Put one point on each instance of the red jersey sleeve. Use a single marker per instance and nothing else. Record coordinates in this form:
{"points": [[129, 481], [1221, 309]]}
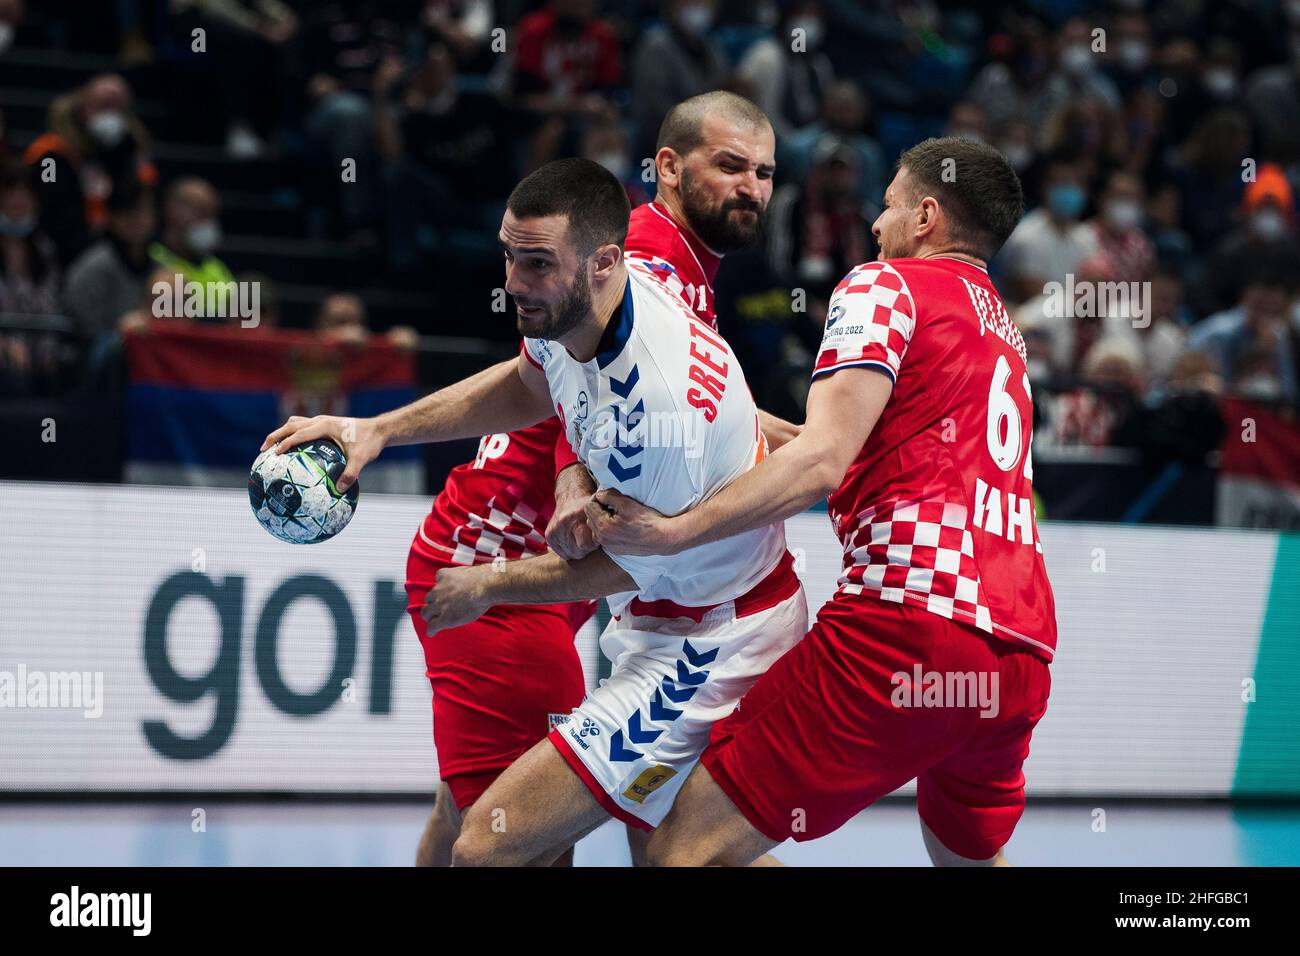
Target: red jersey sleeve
{"points": [[870, 321]]}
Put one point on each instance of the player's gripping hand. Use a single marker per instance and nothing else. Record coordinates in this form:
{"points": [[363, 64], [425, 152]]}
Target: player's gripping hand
{"points": [[623, 525], [359, 438], [569, 534], [456, 598]]}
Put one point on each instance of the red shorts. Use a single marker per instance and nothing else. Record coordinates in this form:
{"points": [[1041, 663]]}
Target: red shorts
{"points": [[496, 681], [842, 720]]}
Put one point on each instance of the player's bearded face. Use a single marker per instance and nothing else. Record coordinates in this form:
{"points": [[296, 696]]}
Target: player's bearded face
{"points": [[735, 223], [557, 319]]}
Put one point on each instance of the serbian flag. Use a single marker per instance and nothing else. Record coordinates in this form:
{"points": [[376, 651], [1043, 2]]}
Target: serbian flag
{"points": [[200, 399], [1259, 473]]}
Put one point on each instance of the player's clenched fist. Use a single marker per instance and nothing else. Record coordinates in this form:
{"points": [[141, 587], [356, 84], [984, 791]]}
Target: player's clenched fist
{"points": [[623, 525], [360, 439], [455, 598], [568, 534]]}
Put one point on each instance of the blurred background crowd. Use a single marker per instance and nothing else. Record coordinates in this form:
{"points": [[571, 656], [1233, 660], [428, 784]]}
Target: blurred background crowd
{"points": [[352, 157]]}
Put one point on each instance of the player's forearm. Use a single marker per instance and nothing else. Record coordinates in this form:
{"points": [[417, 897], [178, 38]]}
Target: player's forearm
{"points": [[492, 401], [549, 579], [776, 430], [785, 483]]}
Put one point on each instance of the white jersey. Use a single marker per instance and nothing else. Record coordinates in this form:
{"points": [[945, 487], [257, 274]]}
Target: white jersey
{"points": [[665, 416]]}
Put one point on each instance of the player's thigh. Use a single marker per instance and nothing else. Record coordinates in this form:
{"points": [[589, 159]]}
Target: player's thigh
{"points": [[705, 828], [972, 800], [823, 734], [535, 810]]}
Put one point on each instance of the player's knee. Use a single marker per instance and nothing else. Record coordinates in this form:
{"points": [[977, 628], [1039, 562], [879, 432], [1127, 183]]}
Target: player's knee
{"points": [[473, 848], [666, 849], [477, 845]]}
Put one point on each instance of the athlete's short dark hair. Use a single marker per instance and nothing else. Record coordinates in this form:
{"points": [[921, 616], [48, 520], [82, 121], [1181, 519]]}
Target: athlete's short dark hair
{"points": [[683, 127], [585, 193], [979, 191]]}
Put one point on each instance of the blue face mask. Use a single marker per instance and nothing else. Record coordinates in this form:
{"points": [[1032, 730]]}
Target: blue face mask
{"points": [[1066, 200]]}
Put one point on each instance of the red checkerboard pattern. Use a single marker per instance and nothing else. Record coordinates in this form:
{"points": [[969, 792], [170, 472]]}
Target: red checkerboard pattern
{"points": [[919, 553], [871, 320]]}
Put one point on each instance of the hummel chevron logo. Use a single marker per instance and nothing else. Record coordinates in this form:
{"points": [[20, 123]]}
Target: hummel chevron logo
{"points": [[660, 711], [619, 753], [624, 388], [621, 473], [686, 677], [697, 659], [636, 734], [675, 695]]}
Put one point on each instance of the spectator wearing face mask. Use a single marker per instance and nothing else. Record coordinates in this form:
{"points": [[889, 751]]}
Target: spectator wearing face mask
{"points": [[191, 232], [1078, 71], [606, 144], [95, 144], [1254, 342], [104, 281], [1050, 242], [1128, 58], [787, 72], [1123, 253], [674, 61], [29, 286], [29, 269], [1267, 231]]}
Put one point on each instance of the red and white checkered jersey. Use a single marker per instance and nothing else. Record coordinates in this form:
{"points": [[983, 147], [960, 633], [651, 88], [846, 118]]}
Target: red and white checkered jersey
{"points": [[502, 501], [937, 510], [658, 247], [499, 503]]}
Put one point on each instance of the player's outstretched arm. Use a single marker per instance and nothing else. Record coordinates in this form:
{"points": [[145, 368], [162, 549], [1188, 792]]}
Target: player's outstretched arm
{"points": [[461, 595], [508, 396], [843, 408]]}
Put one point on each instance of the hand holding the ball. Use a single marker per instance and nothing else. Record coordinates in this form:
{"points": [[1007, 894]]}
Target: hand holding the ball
{"points": [[456, 598], [359, 438]]}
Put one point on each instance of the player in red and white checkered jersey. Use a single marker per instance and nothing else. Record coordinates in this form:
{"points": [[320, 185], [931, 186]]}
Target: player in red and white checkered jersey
{"points": [[931, 660]]}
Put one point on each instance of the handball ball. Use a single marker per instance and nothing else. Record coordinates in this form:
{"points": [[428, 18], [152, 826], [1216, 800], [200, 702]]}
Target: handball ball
{"points": [[293, 495]]}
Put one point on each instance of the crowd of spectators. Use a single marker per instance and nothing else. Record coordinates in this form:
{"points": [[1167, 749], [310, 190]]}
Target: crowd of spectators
{"points": [[1158, 144]]}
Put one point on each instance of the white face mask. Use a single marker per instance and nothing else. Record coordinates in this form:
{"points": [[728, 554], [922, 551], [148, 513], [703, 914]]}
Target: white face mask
{"points": [[1134, 54], [107, 127], [615, 161], [204, 236], [1268, 223], [1221, 82], [1123, 214], [695, 19], [1076, 59]]}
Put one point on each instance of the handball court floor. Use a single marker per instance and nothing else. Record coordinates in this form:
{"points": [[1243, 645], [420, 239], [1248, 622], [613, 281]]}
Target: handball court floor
{"points": [[296, 832]]}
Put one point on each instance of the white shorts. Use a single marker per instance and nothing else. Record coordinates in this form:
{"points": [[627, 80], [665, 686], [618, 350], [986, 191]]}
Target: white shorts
{"points": [[636, 736]]}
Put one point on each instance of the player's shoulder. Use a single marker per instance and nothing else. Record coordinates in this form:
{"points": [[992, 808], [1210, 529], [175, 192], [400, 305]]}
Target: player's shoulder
{"points": [[650, 232], [913, 279]]}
